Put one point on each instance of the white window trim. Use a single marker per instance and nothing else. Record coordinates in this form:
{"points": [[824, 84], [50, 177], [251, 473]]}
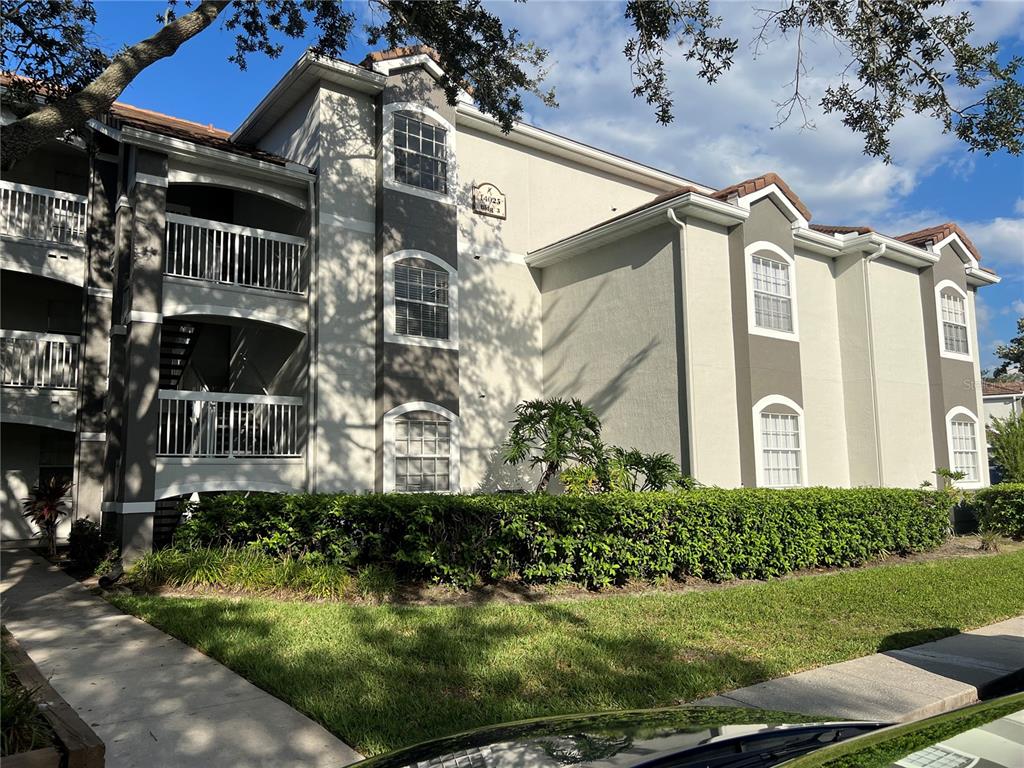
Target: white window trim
{"points": [[978, 436], [949, 284], [389, 441], [759, 406], [388, 150], [762, 246], [390, 323]]}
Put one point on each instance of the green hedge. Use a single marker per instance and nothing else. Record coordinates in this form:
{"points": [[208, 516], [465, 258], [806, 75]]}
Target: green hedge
{"points": [[1000, 508], [597, 541]]}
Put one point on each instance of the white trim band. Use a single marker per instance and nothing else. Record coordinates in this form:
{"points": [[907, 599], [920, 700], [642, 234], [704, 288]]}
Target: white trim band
{"points": [[145, 317]]}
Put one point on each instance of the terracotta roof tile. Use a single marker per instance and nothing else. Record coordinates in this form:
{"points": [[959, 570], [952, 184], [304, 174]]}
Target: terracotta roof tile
{"points": [[1002, 387], [832, 229], [148, 120], [760, 182], [923, 237]]}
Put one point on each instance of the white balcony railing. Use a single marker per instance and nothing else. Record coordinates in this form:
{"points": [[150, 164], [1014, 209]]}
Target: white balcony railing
{"points": [[229, 425], [45, 360], [36, 213], [226, 253]]}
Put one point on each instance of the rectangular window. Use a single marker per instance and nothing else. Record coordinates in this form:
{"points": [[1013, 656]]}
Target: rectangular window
{"points": [[954, 324], [780, 445], [773, 307], [421, 302], [965, 449], [422, 454], [420, 157]]}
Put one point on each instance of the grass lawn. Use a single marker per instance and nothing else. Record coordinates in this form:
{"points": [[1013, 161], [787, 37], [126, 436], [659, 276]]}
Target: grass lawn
{"points": [[382, 677]]}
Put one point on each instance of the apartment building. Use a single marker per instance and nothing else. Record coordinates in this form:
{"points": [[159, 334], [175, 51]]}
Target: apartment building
{"points": [[353, 290]]}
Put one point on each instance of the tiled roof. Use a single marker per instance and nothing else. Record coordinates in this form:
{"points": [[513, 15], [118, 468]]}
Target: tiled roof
{"points": [[923, 237], [1002, 387], [146, 119], [758, 183], [832, 229]]}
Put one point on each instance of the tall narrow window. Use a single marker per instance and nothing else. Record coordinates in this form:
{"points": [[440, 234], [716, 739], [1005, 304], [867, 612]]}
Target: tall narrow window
{"points": [[423, 449], [965, 447], [773, 306], [421, 301], [420, 154], [781, 449], [954, 323]]}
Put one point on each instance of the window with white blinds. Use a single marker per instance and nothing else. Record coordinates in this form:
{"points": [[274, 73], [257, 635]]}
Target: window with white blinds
{"points": [[423, 449], [781, 449], [954, 323], [773, 304], [421, 302], [963, 433]]}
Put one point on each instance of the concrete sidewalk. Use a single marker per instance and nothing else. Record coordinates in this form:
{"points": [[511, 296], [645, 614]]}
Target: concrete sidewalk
{"points": [[902, 685], [154, 701]]}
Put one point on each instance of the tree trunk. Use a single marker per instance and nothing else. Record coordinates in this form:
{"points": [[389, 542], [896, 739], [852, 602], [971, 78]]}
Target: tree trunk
{"points": [[549, 472], [74, 111]]}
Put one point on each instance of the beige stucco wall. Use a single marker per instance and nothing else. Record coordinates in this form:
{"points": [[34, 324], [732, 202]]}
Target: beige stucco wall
{"points": [[547, 197], [499, 364], [343, 457], [710, 359], [901, 371], [822, 372], [610, 337]]}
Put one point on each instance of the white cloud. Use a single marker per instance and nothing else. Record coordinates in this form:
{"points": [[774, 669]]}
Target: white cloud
{"points": [[1017, 306], [1018, 207], [1001, 242], [722, 132]]}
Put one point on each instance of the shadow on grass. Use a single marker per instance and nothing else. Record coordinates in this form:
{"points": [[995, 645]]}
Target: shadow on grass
{"points": [[900, 640], [393, 676]]}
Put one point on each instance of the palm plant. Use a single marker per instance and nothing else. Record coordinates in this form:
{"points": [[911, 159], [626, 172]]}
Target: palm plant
{"points": [[45, 506], [1006, 441], [551, 433]]}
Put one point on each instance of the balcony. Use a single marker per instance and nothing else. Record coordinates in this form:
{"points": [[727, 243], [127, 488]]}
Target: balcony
{"points": [[43, 231], [218, 269], [220, 441], [39, 375]]}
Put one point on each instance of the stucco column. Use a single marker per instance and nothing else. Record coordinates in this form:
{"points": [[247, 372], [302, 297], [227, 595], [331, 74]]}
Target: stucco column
{"points": [[91, 433], [143, 290]]}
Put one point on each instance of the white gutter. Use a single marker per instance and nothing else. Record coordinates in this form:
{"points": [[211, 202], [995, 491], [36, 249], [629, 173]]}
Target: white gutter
{"points": [[688, 204], [552, 143]]}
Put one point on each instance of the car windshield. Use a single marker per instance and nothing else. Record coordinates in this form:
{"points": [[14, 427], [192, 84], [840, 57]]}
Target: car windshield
{"points": [[986, 735]]}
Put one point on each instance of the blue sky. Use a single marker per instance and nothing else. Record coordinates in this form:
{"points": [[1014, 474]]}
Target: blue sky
{"points": [[721, 134]]}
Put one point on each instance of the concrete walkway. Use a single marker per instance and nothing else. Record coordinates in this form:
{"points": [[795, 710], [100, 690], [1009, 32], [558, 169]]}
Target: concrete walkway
{"points": [[898, 685], [155, 702]]}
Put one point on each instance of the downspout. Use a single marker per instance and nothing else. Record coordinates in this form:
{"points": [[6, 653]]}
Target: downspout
{"points": [[688, 383], [313, 340], [879, 464]]}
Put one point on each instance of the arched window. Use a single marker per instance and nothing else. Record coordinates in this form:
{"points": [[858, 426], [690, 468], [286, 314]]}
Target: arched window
{"points": [[771, 291], [421, 449], [781, 446], [954, 328], [420, 300], [964, 441], [418, 151]]}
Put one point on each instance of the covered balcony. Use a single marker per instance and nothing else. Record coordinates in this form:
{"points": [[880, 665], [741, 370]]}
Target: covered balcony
{"points": [[44, 215], [218, 263], [40, 326], [231, 408]]}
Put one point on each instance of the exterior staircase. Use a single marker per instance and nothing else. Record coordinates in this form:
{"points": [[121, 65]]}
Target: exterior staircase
{"points": [[177, 341]]}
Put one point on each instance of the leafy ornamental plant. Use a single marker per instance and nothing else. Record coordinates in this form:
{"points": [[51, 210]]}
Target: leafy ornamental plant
{"points": [[1006, 447], [626, 469], [551, 434], [45, 506]]}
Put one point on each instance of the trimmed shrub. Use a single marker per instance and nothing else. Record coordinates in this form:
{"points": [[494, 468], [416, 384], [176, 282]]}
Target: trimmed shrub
{"points": [[1000, 508], [86, 545], [597, 540]]}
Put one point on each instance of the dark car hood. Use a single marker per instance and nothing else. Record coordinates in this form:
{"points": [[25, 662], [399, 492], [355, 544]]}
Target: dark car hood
{"points": [[608, 740]]}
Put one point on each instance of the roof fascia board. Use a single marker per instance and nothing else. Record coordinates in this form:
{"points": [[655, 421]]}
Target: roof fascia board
{"points": [[405, 62], [689, 204], [961, 249], [301, 76], [895, 250], [818, 242], [192, 151], [554, 144], [978, 277], [773, 191]]}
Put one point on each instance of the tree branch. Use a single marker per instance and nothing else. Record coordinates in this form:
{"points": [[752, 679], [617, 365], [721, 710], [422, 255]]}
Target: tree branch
{"points": [[74, 111]]}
